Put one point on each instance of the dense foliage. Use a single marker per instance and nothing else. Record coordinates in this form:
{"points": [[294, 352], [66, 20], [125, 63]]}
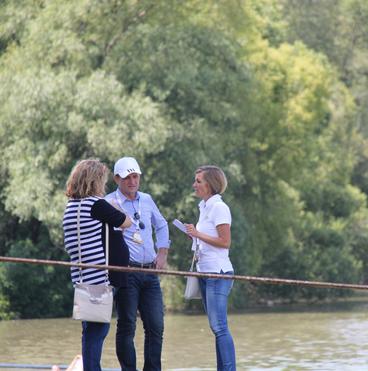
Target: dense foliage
{"points": [[275, 92]]}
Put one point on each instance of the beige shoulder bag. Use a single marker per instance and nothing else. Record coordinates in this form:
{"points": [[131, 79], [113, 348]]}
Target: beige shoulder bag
{"points": [[92, 303]]}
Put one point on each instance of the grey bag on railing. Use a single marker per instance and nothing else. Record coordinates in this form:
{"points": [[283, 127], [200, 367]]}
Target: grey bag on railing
{"points": [[93, 303], [192, 289]]}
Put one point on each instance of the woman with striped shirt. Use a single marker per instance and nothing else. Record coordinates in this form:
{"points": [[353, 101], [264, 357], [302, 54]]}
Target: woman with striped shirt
{"points": [[85, 189]]}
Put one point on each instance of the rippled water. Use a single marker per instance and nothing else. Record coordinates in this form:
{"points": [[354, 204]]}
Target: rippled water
{"points": [[310, 338]]}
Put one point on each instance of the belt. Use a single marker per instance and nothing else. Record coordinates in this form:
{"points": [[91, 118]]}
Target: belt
{"points": [[141, 265]]}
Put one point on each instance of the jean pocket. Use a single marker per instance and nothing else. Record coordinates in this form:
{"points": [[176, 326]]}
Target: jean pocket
{"points": [[228, 273]]}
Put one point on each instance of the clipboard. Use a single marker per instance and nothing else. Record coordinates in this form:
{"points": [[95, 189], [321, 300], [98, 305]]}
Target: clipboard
{"points": [[178, 224]]}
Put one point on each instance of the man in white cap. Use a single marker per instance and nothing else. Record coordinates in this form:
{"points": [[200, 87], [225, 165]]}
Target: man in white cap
{"points": [[143, 292]]}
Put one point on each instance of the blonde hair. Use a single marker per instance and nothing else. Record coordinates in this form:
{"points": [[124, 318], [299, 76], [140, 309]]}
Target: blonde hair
{"points": [[215, 178], [88, 178]]}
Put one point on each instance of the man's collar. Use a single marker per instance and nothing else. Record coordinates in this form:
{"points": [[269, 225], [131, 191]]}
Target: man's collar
{"points": [[124, 198]]}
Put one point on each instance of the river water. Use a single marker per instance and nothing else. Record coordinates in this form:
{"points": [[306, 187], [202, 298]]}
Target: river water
{"points": [[325, 337]]}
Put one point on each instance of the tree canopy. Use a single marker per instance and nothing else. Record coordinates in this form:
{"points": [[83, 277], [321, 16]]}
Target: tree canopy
{"points": [[272, 91]]}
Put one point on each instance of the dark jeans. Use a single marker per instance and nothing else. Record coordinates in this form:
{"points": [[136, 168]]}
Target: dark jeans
{"points": [[144, 294], [93, 336]]}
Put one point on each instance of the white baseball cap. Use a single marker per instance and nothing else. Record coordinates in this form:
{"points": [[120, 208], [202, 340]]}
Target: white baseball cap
{"points": [[126, 166]]}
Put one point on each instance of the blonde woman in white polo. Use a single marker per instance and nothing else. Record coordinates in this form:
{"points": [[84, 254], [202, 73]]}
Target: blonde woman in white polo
{"points": [[213, 236]]}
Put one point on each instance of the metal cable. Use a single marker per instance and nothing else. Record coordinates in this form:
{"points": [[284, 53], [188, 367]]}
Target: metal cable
{"points": [[253, 279]]}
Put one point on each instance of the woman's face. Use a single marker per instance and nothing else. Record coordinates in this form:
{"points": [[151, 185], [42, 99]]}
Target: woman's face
{"points": [[201, 187]]}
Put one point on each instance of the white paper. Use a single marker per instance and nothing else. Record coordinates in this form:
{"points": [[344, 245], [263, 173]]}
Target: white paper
{"points": [[178, 224]]}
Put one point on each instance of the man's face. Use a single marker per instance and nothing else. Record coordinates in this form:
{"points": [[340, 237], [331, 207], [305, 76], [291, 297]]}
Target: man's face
{"points": [[129, 185]]}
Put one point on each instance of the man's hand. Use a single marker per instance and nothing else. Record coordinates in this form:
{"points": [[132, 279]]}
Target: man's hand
{"points": [[161, 258]]}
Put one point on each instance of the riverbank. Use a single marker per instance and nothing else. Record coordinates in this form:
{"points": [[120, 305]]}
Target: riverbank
{"points": [[329, 304]]}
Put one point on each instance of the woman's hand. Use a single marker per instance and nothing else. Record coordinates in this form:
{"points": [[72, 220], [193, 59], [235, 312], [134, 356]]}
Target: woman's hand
{"points": [[224, 235], [191, 230], [127, 222]]}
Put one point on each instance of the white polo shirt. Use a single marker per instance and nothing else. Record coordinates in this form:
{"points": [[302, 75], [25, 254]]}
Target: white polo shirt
{"points": [[212, 213]]}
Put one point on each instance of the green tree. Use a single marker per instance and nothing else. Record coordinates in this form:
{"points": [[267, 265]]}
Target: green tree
{"points": [[178, 85]]}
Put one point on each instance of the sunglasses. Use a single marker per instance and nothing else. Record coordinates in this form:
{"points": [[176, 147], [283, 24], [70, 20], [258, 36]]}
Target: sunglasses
{"points": [[137, 217]]}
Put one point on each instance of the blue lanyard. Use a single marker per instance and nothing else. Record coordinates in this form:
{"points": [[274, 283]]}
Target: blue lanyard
{"points": [[120, 202]]}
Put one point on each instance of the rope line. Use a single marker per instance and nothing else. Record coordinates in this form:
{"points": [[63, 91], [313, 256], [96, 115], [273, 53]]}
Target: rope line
{"points": [[253, 279]]}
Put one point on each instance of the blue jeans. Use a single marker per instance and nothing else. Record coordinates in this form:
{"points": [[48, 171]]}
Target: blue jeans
{"points": [[143, 293], [215, 292], [93, 336]]}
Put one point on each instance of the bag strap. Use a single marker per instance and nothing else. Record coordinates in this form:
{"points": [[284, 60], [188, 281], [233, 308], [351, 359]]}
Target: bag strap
{"points": [[194, 255], [107, 250], [79, 246]]}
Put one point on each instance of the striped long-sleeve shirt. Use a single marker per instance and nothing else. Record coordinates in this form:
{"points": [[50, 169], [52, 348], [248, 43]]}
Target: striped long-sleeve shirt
{"points": [[94, 213]]}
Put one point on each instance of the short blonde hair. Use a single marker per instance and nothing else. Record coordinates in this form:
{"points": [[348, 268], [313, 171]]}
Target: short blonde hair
{"points": [[88, 178], [215, 178]]}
